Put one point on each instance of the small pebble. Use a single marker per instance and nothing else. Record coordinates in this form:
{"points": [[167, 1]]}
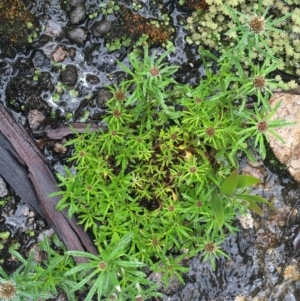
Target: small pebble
{"points": [[59, 148], [101, 28], [246, 221], [76, 2], [103, 96], [78, 14], [35, 119], [291, 272], [59, 54], [69, 75], [78, 35], [3, 189]]}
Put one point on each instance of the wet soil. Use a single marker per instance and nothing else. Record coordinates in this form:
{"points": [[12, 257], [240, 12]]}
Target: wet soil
{"points": [[260, 265]]}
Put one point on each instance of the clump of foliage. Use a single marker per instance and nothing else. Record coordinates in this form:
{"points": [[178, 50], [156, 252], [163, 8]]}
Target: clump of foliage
{"points": [[160, 184], [35, 280], [157, 172], [214, 28], [130, 27], [38, 281], [17, 23]]}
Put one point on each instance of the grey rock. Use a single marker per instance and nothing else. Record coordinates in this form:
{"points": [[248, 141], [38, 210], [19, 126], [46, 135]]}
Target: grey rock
{"points": [[39, 59], [3, 189], [78, 35], [49, 48], [76, 2], [72, 52], [69, 75], [92, 79], [53, 28], [103, 96], [101, 28], [78, 14]]}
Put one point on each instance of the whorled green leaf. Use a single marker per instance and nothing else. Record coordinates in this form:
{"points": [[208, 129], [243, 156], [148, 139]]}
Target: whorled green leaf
{"points": [[230, 183], [245, 181], [217, 209]]}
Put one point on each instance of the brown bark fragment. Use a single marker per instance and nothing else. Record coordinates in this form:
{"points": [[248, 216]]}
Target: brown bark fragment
{"points": [[23, 167]]}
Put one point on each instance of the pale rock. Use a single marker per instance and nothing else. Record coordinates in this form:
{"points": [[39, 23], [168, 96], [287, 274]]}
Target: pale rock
{"points": [[35, 118], [59, 54], [246, 221], [3, 189], [288, 153]]}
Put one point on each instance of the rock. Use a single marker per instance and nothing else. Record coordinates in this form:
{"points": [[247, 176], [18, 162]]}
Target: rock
{"points": [[3, 189], [35, 118], [59, 54], [59, 148], [101, 28], [246, 221], [52, 28], [240, 298], [49, 48], [78, 35], [92, 79], [72, 52], [291, 272], [38, 254], [69, 75], [287, 153], [103, 96], [78, 14], [265, 240], [39, 59], [76, 2]]}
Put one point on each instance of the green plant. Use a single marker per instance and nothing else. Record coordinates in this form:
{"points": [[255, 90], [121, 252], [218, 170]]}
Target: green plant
{"points": [[38, 281], [254, 28], [162, 178], [225, 24], [260, 124], [113, 274], [156, 172], [234, 189]]}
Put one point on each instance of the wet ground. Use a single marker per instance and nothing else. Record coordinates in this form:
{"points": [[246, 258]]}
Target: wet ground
{"points": [[260, 265]]}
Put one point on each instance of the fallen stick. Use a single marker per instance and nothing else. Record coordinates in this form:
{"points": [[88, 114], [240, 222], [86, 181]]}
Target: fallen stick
{"points": [[65, 130], [22, 165]]}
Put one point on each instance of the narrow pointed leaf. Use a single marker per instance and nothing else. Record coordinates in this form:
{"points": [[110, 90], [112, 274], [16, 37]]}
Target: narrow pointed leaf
{"points": [[230, 183], [97, 286], [254, 207], [244, 181], [120, 247], [217, 209], [253, 198]]}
